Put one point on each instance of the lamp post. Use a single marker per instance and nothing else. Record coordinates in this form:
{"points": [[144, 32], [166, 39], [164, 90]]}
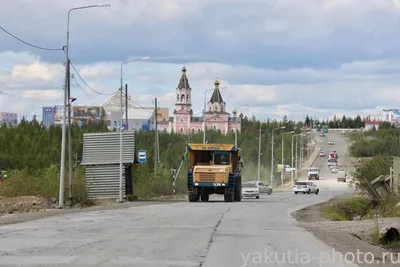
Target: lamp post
{"points": [[259, 154], [293, 156], [120, 130], [62, 165], [272, 154], [204, 110], [283, 156], [236, 127]]}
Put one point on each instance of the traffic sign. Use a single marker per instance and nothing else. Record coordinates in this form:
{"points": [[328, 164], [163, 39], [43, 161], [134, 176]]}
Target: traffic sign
{"points": [[142, 156]]}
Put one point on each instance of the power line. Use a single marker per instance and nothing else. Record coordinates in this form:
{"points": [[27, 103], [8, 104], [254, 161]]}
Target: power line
{"points": [[35, 46], [77, 73], [146, 109], [8, 87], [80, 87]]}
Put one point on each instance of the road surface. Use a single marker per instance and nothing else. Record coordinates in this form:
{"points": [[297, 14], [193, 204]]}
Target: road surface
{"points": [[254, 232]]}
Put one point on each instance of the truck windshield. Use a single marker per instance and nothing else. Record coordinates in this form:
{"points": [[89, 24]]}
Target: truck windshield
{"points": [[221, 159]]}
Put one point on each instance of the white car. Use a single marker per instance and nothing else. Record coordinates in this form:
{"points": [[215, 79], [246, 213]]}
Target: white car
{"points": [[335, 169], [332, 162], [250, 190], [305, 187], [263, 188], [330, 143]]}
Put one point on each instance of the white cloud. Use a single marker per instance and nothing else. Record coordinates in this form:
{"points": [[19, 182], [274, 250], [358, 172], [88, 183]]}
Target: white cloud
{"points": [[39, 71], [311, 56], [96, 71]]}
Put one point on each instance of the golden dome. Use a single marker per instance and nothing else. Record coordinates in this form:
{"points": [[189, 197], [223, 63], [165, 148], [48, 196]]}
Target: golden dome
{"points": [[216, 81], [184, 68]]}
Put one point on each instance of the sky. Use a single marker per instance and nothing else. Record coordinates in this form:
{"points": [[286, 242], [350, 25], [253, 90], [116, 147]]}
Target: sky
{"points": [[286, 57]]}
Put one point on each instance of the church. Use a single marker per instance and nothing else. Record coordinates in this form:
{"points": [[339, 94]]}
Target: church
{"points": [[215, 118]]}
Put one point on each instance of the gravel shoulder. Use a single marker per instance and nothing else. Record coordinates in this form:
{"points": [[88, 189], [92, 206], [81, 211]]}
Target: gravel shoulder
{"points": [[348, 237], [43, 212]]}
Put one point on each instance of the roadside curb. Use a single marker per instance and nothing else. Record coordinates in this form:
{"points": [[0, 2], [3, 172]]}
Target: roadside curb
{"points": [[316, 157]]}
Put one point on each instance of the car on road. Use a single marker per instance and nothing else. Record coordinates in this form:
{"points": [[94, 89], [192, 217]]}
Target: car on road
{"points": [[263, 188], [250, 190], [313, 173], [305, 187], [341, 176], [330, 143], [332, 162], [335, 169], [322, 154], [322, 135]]}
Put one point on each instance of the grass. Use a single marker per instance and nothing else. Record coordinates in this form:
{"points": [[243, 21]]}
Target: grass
{"points": [[45, 183], [348, 209]]}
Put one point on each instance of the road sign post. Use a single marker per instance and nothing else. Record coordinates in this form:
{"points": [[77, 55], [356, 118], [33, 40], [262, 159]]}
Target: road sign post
{"points": [[142, 156], [173, 171]]}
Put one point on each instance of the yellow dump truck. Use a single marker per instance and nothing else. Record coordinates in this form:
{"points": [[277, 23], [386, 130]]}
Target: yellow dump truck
{"points": [[214, 169]]}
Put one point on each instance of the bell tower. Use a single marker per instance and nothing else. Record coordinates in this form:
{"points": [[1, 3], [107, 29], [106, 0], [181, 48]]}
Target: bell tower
{"points": [[183, 94]]}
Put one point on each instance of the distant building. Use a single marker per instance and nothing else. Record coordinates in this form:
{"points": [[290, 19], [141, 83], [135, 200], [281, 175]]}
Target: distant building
{"points": [[83, 114], [138, 119], [183, 121], [58, 114], [10, 119], [139, 115], [369, 125], [392, 116], [48, 116]]}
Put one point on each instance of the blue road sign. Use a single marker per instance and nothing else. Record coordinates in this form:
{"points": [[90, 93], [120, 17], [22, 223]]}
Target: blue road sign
{"points": [[115, 124], [142, 156]]}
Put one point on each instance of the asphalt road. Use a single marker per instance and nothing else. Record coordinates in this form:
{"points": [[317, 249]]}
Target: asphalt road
{"points": [[254, 232]]}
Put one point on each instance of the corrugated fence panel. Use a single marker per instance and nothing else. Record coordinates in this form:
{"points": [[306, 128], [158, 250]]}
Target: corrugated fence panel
{"points": [[102, 181], [104, 148]]}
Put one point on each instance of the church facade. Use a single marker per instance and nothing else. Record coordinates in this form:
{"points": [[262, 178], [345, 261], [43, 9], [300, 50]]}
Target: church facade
{"points": [[215, 118]]}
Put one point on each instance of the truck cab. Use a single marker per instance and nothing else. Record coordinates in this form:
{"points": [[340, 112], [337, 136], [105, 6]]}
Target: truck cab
{"points": [[214, 169], [313, 173]]}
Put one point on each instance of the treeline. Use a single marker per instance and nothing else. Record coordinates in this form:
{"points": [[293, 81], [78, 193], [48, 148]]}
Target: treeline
{"points": [[29, 150], [373, 152], [344, 122]]}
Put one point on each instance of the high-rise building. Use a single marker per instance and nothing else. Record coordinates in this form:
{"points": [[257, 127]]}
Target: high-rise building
{"points": [[48, 117], [10, 119]]}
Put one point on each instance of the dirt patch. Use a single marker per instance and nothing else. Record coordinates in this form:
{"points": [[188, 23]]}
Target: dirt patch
{"points": [[10, 205], [314, 213], [348, 237]]}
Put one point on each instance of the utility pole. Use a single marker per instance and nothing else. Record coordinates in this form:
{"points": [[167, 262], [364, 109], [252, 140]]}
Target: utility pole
{"points": [[156, 158], [126, 107], [297, 160], [291, 173], [259, 155], [69, 134]]}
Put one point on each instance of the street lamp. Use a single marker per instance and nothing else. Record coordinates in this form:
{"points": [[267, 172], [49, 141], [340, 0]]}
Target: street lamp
{"points": [[120, 129], [272, 154], [204, 110], [236, 127], [283, 146], [293, 156], [66, 93]]}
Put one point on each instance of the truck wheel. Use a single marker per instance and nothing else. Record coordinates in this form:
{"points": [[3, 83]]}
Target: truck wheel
{"points": [[193, 198], [257, 197], [205, 196], [228, 197], [238, 189]]}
